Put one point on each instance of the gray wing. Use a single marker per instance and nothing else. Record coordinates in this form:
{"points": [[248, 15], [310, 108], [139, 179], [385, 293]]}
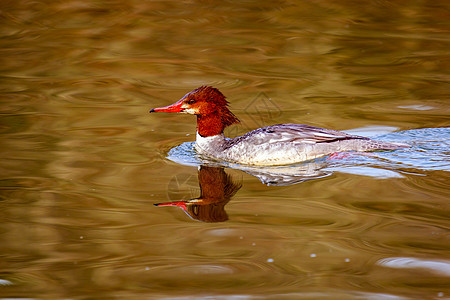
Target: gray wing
{"points": [[293, 133]]}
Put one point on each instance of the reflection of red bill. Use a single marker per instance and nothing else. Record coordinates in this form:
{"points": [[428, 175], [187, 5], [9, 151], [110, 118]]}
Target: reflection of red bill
{"points": [[180, 204]]}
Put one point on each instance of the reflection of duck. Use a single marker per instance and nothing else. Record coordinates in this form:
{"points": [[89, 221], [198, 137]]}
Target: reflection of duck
{"points": [[288, 175], [216, 189], [273, 145]]}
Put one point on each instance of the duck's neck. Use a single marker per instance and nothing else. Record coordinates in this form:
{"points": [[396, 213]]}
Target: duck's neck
{"points": [[210, 145], [214, 123], [210, 125]]}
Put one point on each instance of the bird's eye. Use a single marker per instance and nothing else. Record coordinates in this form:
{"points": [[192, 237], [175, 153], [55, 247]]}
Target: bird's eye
{"points": [[191, 101]]}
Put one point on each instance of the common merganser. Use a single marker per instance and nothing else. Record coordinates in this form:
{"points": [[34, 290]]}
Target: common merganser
{"points": [[280, 144]]}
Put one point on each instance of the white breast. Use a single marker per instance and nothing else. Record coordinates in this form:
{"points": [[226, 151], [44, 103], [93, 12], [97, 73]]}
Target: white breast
{"points": [[209, 145]]}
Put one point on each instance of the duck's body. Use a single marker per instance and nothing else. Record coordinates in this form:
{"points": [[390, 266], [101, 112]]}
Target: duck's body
{"points": [[284, 144], [268, 146]]}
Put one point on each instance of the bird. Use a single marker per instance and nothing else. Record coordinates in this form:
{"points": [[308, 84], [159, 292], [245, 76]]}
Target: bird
{"points": [[274, 145]]}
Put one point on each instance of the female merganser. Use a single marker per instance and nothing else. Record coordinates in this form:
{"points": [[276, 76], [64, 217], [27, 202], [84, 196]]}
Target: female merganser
{"points": [[268, 146]]}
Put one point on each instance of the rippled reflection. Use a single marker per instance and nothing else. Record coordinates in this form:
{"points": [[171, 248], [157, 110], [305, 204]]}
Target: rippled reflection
{"points": [[440, 267], [216, 190]]}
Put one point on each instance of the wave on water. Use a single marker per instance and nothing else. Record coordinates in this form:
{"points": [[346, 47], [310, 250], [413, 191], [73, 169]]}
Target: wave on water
{"points": [[429, 151]]}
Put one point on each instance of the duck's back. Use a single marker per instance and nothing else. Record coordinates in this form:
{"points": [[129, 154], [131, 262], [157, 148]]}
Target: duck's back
{"points": [[290, 143]]}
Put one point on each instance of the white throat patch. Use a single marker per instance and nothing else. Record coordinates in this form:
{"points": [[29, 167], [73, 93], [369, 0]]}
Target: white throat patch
{"points": [[209, 143]]}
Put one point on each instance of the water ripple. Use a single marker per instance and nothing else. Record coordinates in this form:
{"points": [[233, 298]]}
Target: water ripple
{"points": [[439, 267]]}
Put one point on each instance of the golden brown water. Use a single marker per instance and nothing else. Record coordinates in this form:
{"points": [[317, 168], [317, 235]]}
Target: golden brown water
{"points": [[83, 162]]}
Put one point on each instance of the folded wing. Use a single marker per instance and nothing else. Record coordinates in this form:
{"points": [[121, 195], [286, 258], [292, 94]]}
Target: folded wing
{"points": [[293, 133]]}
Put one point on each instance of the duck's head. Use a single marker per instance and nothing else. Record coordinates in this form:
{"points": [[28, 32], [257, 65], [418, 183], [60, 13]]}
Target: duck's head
{"points": [[210, 106]]}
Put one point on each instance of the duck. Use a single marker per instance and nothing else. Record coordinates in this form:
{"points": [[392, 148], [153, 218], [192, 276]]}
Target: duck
{"points": [[274, 145]]}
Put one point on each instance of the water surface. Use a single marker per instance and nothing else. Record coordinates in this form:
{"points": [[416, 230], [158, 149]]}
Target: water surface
{"points": [[83, 163]]}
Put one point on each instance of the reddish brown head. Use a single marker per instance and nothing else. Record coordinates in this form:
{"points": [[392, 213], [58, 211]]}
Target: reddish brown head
{"points": [[210, 106]]}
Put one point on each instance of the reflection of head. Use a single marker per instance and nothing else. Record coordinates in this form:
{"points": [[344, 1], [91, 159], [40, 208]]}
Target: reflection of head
{"points": [[216, 189], [214, 212], [216, 184]]}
